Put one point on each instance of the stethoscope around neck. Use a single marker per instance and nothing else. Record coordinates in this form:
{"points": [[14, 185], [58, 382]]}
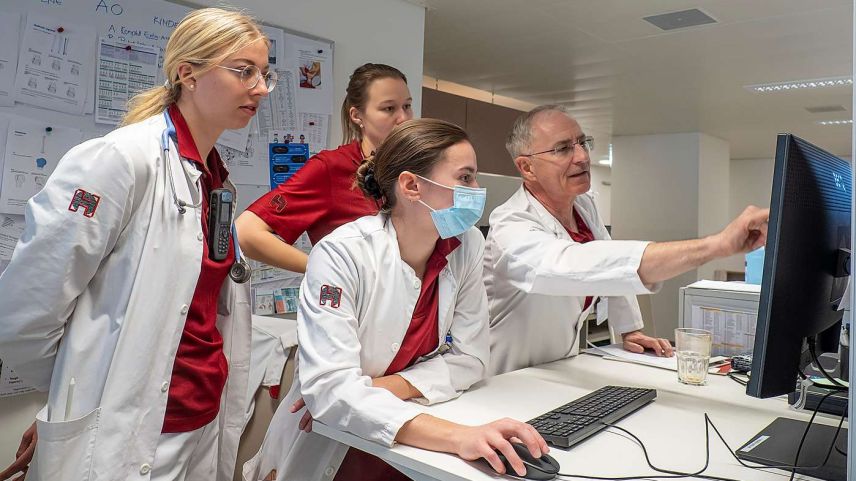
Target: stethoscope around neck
{"points": [[240, 271]]}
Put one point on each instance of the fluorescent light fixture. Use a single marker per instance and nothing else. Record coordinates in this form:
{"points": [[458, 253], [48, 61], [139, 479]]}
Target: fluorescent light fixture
{"points": [[835, 122], [801, 84], [607, 161]]}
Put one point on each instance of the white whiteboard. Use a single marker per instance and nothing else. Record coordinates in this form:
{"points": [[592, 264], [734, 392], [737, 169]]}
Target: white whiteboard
{"points": [[150, 22]]}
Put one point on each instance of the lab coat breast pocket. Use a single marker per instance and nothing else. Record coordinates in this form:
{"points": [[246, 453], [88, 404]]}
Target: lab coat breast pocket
{"points": [[64, 449]]}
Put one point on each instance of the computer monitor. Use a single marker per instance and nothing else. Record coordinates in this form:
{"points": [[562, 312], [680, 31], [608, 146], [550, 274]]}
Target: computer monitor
{"points": [[805, 263]]}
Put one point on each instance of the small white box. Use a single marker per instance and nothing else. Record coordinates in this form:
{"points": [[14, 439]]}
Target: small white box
{"points": [[728, 309]]}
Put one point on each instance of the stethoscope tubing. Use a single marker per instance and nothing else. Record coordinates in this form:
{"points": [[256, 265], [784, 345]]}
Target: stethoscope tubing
{"points": [[239, 275]]}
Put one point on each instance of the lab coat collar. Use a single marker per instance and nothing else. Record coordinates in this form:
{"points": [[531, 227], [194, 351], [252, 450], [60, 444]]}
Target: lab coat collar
{"points": [[445, 246], [582, 204]]}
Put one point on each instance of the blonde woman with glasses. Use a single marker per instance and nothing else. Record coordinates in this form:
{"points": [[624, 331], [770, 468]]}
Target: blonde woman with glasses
{"points": [[143, 341]]}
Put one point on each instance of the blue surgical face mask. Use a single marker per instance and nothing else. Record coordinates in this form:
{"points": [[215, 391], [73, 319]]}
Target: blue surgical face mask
{"points": [[465, 211]]}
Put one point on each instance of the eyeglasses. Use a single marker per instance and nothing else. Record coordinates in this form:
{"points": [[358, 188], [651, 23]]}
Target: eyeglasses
{"points": [[251, 74], [567, 148]]}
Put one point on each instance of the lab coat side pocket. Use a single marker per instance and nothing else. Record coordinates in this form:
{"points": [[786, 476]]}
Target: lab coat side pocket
{"points": [[65, 448]]}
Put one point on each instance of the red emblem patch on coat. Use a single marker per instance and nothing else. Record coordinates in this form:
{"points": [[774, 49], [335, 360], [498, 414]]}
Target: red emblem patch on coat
{"points": [[332, 294], [88, 201], [278, 203]]}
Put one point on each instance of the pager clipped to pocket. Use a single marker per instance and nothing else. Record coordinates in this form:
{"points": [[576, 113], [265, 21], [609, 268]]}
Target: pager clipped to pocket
{"points": [[219, 223]]}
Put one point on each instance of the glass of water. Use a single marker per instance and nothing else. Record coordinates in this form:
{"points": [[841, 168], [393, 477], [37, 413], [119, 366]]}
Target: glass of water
{"points": [[692, 348]]}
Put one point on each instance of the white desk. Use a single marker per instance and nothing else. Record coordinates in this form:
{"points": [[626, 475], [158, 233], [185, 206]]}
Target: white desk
{"points": [[672, 427]]}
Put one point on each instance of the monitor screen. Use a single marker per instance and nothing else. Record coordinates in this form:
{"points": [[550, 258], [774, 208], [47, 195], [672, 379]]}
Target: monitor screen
{"points": [[805, 262]]}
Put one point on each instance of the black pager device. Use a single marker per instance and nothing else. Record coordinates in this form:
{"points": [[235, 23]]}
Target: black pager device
{"points": [[219, 223]]}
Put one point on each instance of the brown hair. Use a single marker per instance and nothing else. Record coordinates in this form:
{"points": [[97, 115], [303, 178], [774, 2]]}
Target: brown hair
{"points": [[414, 146], [203, 38], [357, 94]]}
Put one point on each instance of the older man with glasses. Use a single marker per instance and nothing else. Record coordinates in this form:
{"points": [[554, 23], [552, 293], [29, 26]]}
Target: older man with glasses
{"points": [[549, 257]]}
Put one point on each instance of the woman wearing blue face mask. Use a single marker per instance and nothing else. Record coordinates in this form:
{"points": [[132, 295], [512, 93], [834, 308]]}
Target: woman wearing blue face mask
{"points": [[393, 313]]}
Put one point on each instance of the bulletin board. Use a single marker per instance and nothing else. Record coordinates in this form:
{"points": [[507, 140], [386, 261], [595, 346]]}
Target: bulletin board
{"points": [[68, 68]]}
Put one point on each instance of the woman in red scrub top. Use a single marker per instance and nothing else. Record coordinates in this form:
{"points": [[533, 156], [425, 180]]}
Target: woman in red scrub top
{"points": [[321, 195]]}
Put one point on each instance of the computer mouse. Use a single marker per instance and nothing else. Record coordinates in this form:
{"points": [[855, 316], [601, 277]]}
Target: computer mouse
{"points": [[544, 467]]}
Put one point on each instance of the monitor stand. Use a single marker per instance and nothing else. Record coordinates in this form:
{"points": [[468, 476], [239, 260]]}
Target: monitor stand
{"points": [[776, 445]]}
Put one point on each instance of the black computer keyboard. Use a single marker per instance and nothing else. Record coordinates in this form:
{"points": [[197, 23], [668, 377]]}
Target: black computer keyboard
{"points": [[568, 425]]}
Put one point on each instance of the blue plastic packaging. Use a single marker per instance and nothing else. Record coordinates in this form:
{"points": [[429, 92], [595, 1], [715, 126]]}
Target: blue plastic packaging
{"points": [[755, 266]]}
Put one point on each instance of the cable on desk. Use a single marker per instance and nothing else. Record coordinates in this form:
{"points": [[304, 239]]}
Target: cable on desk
{"points": [[805, 433], [672, 474], [811, 349], [667, 473], [792, 467]]}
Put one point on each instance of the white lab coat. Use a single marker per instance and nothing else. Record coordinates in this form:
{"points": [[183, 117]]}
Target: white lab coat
{"points": [[340, 349], [537, 279], [103, 299]]}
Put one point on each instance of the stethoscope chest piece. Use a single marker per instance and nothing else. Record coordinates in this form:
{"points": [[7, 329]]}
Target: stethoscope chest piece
{"points": [[240, 271]]}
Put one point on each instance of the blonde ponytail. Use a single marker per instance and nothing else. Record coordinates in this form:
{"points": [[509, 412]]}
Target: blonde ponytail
{"points": [[150, 102], [204, 38]]}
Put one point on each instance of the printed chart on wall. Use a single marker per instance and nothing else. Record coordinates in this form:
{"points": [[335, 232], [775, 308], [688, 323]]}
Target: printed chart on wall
{"points": [[733, 330], [10, 383], [124, 70], [54, 65], [33, 150], [68, 69]]}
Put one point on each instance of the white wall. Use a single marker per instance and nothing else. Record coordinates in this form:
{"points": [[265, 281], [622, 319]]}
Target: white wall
{"points": [[499, 189], [600, 177], [655, 197], [669, 187], [378, 31], [713, 193], [751, 184]]}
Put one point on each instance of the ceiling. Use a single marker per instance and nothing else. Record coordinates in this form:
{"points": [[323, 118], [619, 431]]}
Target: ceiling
{"points": [[620, 75]]}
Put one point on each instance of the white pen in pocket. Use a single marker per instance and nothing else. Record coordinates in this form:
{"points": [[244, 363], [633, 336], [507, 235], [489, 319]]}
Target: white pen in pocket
{"points": [[69, 399]]}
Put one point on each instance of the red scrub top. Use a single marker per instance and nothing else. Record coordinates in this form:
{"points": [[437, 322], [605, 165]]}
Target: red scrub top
{"points": [[320, 197], [200, 367]]}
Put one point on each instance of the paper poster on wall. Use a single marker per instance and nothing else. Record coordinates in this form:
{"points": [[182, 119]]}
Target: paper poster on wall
{"points": [[313, 60], [248, 166], [11, 229], [124, 70], [4, 128], [236, 139], [10, 24], [316, 127], [10, 383], [54, 65], [33, 150], [276, 54], [279, 110], [312, 129]]}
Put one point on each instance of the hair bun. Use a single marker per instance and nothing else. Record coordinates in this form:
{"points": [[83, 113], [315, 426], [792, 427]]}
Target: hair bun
{"points": [[371, 185]]}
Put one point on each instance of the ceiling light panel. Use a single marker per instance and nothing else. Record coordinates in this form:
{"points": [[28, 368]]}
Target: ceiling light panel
{"points": [[801, 84]]}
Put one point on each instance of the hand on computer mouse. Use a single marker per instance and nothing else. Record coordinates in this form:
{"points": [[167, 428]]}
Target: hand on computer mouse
{"points": [[543, 468], [489, 440]]}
